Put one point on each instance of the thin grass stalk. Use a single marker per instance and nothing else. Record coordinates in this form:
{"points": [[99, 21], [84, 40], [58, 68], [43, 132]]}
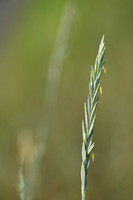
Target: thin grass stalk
{"points": [[22, 182], [50, 98]]}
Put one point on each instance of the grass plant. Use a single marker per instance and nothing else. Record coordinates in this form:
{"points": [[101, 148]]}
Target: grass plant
{"points": [[28, 176], [90, 115]]}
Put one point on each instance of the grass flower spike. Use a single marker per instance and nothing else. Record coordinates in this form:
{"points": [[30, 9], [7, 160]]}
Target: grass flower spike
{"points": [[90, 115]]}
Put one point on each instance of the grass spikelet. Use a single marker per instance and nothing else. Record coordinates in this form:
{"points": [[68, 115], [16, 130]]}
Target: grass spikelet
{"points": [[90, 115]]}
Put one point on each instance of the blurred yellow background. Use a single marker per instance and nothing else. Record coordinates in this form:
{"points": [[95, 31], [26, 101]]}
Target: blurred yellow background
{"points": [[28, 32]]}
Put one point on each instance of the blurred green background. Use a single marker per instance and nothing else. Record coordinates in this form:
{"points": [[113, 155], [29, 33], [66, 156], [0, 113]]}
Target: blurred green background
{"points": [[27, 35]]}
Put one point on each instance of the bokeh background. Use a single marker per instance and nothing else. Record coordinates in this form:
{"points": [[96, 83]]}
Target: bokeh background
{"points": [[28, 32]]}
